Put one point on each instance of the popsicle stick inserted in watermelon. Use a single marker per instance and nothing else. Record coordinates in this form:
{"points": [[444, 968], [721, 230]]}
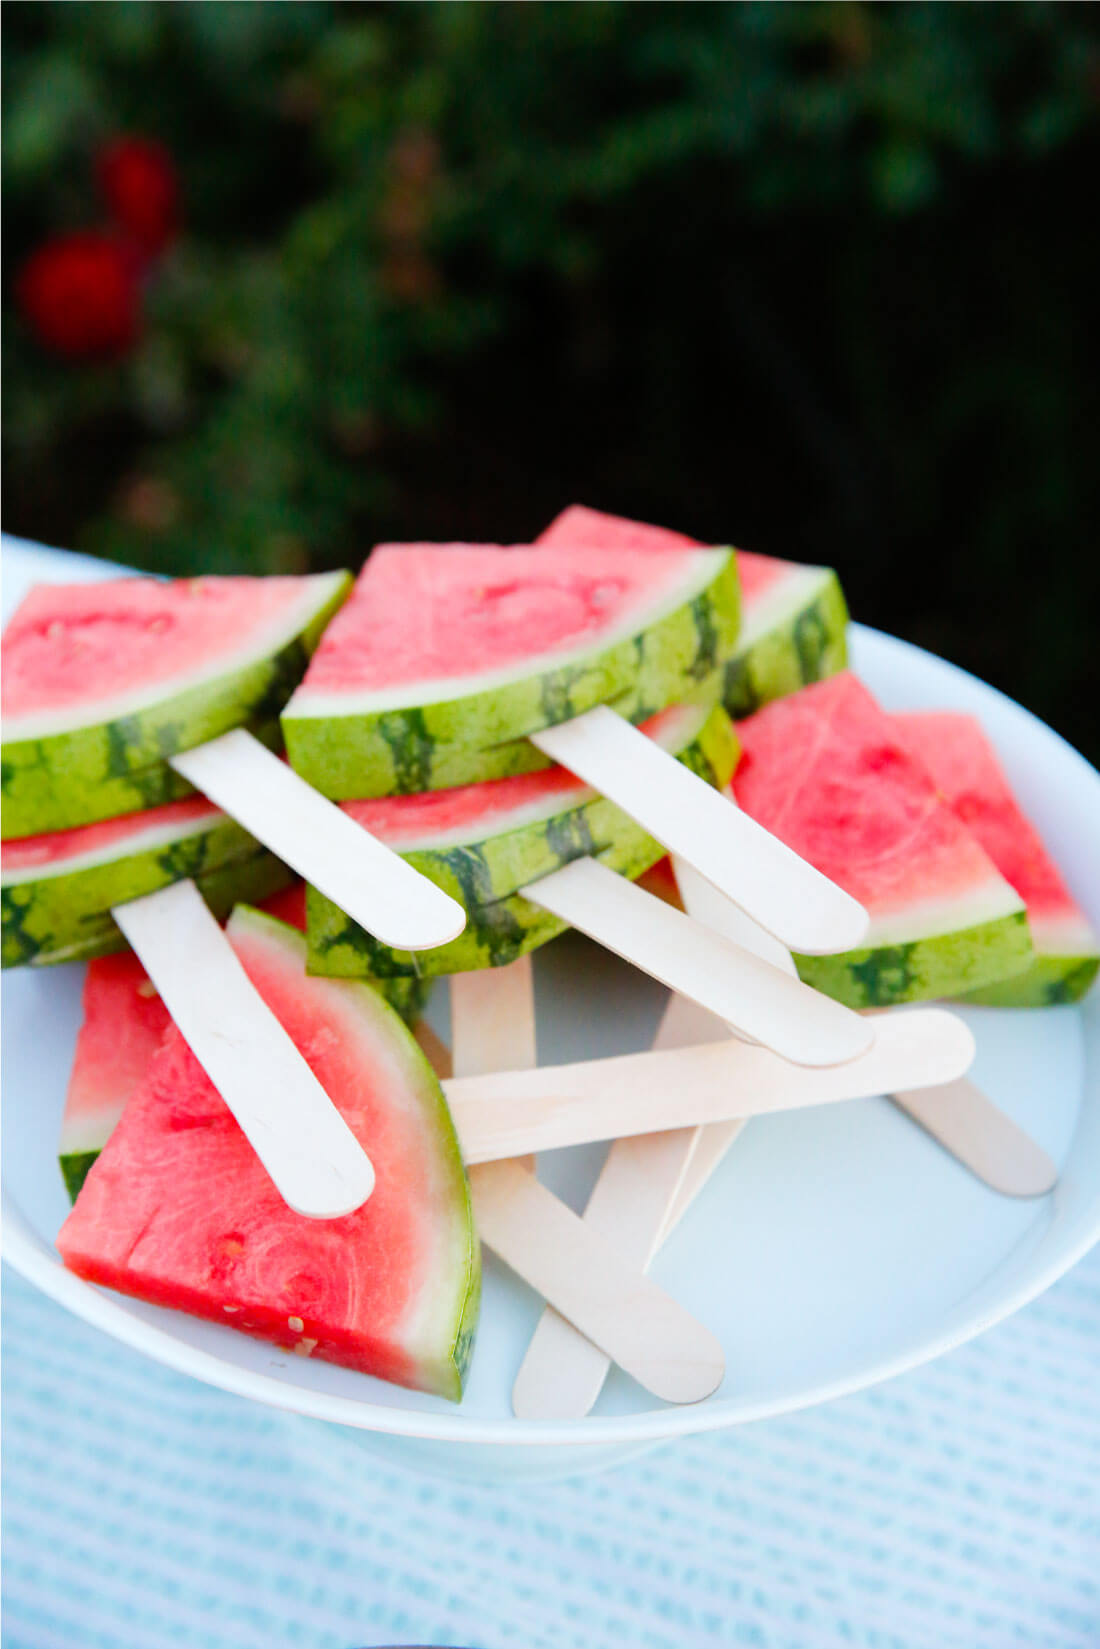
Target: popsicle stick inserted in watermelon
{"points": [[310, 1153], [372, 884], [514, 1112], [635, 1323], [787, 896], [753, 998]]}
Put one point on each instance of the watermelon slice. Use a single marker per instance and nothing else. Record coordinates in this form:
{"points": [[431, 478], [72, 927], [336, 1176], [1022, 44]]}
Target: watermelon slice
{"points": [[793, 619], [125, 1021], [965, 769], [56, 890], [448, 654], [483, 842], [827, 771], [178, 1211], [102, 682], [124, 1024]]}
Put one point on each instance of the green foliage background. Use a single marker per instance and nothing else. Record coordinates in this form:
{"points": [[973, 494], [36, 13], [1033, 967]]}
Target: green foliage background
{"points": [[815, 278]]}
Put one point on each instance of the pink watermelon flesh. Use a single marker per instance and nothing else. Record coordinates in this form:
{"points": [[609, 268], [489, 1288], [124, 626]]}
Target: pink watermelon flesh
{"points": [[81, 646], [128, 833], [124, 1024], [441, 818], [178, 1211], [965, 769], [579, 527], [827, 771], [423, 614]]}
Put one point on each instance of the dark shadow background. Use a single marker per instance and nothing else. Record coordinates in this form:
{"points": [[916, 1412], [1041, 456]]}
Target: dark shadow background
{"points": [[818, 279]]}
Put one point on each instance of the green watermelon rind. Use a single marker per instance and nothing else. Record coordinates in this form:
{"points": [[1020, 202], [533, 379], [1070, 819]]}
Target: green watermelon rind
{"points": [[804, 645], [68, 918], [114, 767], [450, 1370], [1049, 982], [920, 970], [483, 735], [484, 876]]}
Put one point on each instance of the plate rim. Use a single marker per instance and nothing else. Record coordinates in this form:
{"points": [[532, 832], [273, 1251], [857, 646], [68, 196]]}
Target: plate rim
{"points": [[31, 1258]]}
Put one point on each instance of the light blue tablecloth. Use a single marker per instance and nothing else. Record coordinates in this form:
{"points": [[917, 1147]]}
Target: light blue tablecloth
{"points": [[956, 1508]]}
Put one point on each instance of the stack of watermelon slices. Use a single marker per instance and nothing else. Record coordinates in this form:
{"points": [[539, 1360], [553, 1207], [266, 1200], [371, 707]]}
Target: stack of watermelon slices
{"points": [[102, 684], [412, 711]]}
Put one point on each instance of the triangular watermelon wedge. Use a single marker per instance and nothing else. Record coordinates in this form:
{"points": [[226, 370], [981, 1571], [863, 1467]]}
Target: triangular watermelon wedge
{"points": [[794, 619], [103, 682], [964, 767], [448, 655], [123, 1024], [178, 1211], [828, 772]]}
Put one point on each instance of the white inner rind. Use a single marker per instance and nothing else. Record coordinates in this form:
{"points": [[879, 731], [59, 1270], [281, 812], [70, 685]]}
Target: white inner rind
{"points": [[317, 590], [123, 847], [933, 918], [308, 703], [789, 594], [1063, 936]]}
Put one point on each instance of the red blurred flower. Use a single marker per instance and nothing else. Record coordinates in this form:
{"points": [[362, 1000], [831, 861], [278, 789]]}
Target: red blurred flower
{"points": [[81, 296], [138, 181]]}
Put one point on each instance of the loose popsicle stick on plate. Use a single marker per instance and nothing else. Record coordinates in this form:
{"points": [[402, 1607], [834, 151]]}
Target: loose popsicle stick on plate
{"points": [[493, 1022], [959, 1116], [514, 1112], [373, 884], [787, 896], [644, 1178], [978, 1134], [317, 1164], [636, 1323], [756, 1000]]}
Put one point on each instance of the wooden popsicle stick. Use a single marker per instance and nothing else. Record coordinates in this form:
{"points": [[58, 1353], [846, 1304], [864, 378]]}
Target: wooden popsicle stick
{"points": [[980, 1136], [513, 1112], [317, 1164], [493, 1023], [376, 887], [744, 861], [637, 1324], [543, 1241], [645, 1185], [755, 999], [959, 1117]]}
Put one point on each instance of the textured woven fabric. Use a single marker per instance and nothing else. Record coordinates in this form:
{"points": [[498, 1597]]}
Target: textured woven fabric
{"points": [[955, 1508]]}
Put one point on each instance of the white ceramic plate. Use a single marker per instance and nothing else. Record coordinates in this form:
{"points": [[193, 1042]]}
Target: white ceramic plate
{"points": [[833, 1249]]}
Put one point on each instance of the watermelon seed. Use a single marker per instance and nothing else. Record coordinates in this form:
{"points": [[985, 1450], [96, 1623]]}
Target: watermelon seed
{"points": [[303, 1348], [147, 989], [296, 1324], [231, 1308]]}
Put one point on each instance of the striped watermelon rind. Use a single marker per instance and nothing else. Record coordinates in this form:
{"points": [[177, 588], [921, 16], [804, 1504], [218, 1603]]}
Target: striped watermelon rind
{"points": [[350, 755], [917, 970], [1049, 981], [57, 780], [797, 637], [484, 874], [51, 914]]}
